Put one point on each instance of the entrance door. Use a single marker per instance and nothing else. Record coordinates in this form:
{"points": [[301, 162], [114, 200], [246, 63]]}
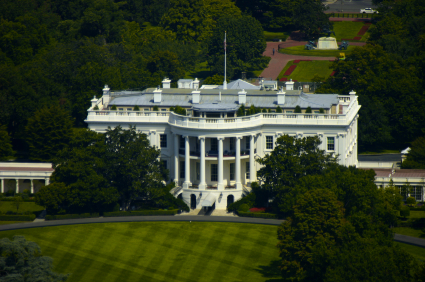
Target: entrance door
{"points": [[230, 200], [192, 201]]}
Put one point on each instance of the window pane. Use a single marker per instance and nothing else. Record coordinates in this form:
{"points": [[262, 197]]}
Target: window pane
{"points": [[213, 144], [331, 144], [232, 171], [182, 167], [269, 142], [247, 143], [163, 138], [247, 171], [232, 144], [214, 176]]}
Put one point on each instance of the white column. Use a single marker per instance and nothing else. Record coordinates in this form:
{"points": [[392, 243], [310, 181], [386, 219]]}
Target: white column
{"points": [[252, 170], [176, 159], [17, 185], [47, 181], [152, 134], [220, 185], [32, 186], [186, 183], [2, 185], [202, 184], [238, 163]]}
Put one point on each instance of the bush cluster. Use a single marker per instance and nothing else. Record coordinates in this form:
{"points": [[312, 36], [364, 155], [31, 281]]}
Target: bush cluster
{"points": [[140, 213], [29, 217], [257, 214], [71, 216]]}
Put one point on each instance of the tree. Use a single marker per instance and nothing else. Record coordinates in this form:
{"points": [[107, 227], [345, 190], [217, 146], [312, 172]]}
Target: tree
{"points": [[245, 45], [48, 132], [132, 165], [308, 110], [297, 109], [279, 109], [291, 159], [416, 156], [17, 201], [6, 150], [21, 260], [215, 80]]}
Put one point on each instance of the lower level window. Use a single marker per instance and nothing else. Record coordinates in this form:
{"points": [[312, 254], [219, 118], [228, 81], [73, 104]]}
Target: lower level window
{"points": [[269, 142], [182, 167], [247, 171], [214, 170], [331, 143], [232, 171]]}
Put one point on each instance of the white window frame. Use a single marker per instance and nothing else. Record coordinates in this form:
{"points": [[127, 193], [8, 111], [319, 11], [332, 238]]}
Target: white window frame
{"points": [[214, 172], [162, 140], [269, 145], [330, 146]]}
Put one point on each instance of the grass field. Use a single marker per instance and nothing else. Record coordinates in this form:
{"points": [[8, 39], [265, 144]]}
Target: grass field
{"points": [[417, 252], [409, 232], [417, 214], [24, 207], [159, 251], [306, 70], [270, 35], [349, 30], [299, 50]]}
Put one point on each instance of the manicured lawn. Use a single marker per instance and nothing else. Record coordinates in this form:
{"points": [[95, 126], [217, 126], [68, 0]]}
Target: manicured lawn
{"points": [[409, 232], [24, 207], [299, 50], [349, 30], [417, 214], [416, 252], [159, 251], [270, 35], [306, 70]]}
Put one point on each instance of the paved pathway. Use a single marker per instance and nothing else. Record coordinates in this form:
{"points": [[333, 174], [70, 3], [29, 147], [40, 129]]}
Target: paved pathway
{"points": [[232, 219], [279, 60]]}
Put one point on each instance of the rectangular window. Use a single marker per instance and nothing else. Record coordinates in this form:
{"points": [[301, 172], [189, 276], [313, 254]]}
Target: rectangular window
{"points": [[214, 144], [197, 145], [146, 110], [331, 143], [182, 168], [416, 192], [269, 142], [232, 171], [163, 138], [128, 109], [163, 110], [214, 170], [232, 144], [121, 109], [289, 112], [317, 112], [198, 171], [247, 171], [247, 143]]}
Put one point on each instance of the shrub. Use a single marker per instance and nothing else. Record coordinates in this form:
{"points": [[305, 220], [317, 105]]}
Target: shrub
{"points": [[136, 108], [405, 211], [155, 108], [264, 110], [71, 216], [244, 208], [96, 108], [297, 109], [257, 214], [278, 110], [249, 200], [140, 213], [30, 217], [321, 110], [308, 110], [411, 201], [113, 108]]}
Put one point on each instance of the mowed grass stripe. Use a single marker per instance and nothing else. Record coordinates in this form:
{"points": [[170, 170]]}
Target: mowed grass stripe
{"points": [[133, 248]]}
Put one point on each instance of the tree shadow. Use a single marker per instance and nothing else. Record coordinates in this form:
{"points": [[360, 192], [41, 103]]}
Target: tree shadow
{"points": [[271, 271]]}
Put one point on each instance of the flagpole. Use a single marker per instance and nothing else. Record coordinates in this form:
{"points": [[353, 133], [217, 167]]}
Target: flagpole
{"points": [[225, 55]]}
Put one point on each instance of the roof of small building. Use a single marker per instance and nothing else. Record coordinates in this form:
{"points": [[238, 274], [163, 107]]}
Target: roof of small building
{"points": [[229, 99], [240, 84]]}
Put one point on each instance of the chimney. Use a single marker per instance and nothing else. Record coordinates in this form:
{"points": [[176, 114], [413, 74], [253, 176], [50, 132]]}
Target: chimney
{"points": [[196, 84], [290, 85], [166, 83], [157, 95], [106, 95], [242, 97], [352, 92], [281, 97], [93, 102], [196, 97]]}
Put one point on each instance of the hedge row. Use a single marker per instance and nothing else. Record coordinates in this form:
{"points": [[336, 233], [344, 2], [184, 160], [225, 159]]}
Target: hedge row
{"points": [[257, 214], [71, 216], [137, 213], [11, 199], [418, 209], [29, 217], [413, 222]]}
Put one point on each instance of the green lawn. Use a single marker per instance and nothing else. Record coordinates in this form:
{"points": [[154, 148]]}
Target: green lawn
{"points": [[270, 35], [417, 214], [349, 30], [409, 232], [159, 251], [299, 50], [417, 252], [24, 207], [306, 70]]}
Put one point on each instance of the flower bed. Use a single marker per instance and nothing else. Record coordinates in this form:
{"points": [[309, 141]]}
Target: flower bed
{"points": [[256, 214], [333, 73], [257, 209], [283, 79], [363, 30], [290, 70]]}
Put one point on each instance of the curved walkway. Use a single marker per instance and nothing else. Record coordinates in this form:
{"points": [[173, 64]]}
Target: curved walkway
{"points": [[399, 238], [279, 60]]}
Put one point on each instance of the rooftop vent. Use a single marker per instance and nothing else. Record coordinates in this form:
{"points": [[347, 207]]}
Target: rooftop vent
{"points": [[196, 97], [290, 85], [242, 97], [166, 83], [157, 95], [281, 96]]}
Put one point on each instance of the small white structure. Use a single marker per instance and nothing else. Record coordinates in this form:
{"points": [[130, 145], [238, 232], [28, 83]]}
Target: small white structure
{"points": [[211, 152], [21, 176], [327, 43]]}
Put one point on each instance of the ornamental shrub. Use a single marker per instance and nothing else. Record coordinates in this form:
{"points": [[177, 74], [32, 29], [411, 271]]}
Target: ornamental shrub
{"points": [[136, 108], [411, 201], [308, 110], [279, 110], [297, 109], [321, 110], [155, 108], [405, 211], [243, 208], [113, 108], [96, 108]]}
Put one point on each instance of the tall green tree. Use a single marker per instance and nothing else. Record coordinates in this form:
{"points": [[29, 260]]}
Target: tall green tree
{"points": [[416, 156], [48, 132], [22, 260], [6, 150]]}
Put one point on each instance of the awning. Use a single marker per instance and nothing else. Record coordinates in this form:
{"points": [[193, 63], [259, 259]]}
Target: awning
{"points": [[209, 200]]}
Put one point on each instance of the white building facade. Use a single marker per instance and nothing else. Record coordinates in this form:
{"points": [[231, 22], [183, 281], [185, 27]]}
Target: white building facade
{"points": [[211, 152]]}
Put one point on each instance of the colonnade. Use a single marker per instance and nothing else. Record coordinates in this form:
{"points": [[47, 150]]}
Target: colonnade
{"points": [[220, 163], [2, 182]]}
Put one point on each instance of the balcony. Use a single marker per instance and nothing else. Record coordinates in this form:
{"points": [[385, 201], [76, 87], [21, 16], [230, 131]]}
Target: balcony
{"points": [[214, 154]]}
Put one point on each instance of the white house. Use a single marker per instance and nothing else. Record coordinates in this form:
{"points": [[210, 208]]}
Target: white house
{"points": [[211, 152]]}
